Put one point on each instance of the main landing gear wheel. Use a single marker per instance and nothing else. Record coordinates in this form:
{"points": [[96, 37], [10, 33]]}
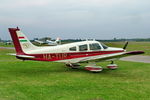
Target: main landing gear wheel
{"points": [[93, 68], [73, 65], [112, 65]]}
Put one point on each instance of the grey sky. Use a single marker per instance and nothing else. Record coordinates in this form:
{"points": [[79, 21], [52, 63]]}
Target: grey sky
{"points": [[99, 19]]}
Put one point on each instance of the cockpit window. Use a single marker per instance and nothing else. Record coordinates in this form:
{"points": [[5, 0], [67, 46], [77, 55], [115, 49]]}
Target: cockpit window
{"points": [[104, 46], [95, 46], [83, 47], [73, 49]]}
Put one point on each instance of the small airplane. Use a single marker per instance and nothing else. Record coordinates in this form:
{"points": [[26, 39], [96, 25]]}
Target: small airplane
{"points": [[38, 41], [49, 42], [72, 54]]}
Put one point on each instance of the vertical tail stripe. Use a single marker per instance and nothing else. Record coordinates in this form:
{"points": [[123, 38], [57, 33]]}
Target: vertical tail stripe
{"points": [[13, 33], [23, 40], [21, 37]]}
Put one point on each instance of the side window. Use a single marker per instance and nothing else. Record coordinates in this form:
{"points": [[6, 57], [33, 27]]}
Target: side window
{"points": [[83, 47], [73, 49], [95, 46]]}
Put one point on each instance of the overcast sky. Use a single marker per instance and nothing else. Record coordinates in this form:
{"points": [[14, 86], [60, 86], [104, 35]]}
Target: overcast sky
{"points": [[98, 19]]}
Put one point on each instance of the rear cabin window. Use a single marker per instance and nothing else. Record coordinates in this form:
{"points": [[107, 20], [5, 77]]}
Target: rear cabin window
{"points": [[83, 47], [73, 49], [95, 46]]}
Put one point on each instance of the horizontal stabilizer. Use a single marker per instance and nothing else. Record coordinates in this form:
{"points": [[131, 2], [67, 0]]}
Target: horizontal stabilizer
{"points": [[25, 56], [21, 56], [12, 54]]}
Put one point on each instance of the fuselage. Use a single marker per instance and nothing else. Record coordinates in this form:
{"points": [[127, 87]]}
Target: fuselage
{"points": [[74, 52], [71, 53], [67, 53]]}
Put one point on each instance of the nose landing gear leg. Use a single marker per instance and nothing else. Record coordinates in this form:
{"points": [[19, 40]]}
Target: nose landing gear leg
{"points": [[112, 65]]}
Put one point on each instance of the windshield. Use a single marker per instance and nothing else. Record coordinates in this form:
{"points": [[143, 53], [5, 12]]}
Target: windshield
{"points": [[104, 46]]}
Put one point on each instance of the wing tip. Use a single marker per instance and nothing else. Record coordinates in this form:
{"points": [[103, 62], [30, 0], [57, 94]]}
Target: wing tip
{"points": [[135, 52]]}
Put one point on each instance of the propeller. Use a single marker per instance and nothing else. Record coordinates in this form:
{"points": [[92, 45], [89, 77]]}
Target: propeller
{"points": [[126, 44]]}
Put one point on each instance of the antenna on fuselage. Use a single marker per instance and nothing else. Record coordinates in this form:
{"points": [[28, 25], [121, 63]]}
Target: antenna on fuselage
{"points": [[17, 28]]}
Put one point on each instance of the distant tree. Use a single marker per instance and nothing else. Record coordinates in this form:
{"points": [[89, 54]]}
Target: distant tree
{"points": [[115, 39]]}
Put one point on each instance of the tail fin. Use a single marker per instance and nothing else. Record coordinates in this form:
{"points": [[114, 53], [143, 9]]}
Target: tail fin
{"points": [[58, 41], [21, 42]]}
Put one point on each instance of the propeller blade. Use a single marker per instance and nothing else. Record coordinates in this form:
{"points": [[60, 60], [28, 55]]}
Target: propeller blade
{"points": [[125, 46]]}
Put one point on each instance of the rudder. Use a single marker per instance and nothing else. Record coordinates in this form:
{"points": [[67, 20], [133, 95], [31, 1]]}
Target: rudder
{"points": [[21, 42]]}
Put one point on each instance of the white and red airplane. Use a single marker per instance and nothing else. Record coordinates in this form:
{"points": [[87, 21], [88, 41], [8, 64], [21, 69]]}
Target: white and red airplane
{"points": [[71, 54]]}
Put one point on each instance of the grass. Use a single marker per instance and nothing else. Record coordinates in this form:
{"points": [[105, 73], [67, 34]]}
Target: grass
{"points": [[31, 80], [52, 81]]}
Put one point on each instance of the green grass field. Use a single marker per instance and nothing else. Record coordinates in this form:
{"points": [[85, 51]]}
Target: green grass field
{"points": [[31, 80]]}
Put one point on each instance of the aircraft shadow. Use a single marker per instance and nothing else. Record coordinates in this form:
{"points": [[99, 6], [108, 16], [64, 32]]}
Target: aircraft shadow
{"points": [[34, 71]]}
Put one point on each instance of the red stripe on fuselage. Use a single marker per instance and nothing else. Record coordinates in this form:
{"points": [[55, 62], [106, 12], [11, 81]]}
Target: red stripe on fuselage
{"points": [[65, 56]]}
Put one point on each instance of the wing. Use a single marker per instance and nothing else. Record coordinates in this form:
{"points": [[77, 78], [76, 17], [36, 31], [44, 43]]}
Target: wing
{"points": [[111, 56]]}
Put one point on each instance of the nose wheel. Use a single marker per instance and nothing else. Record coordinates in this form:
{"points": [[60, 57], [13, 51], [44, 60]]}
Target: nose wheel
{"points": [[112, 65]]}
